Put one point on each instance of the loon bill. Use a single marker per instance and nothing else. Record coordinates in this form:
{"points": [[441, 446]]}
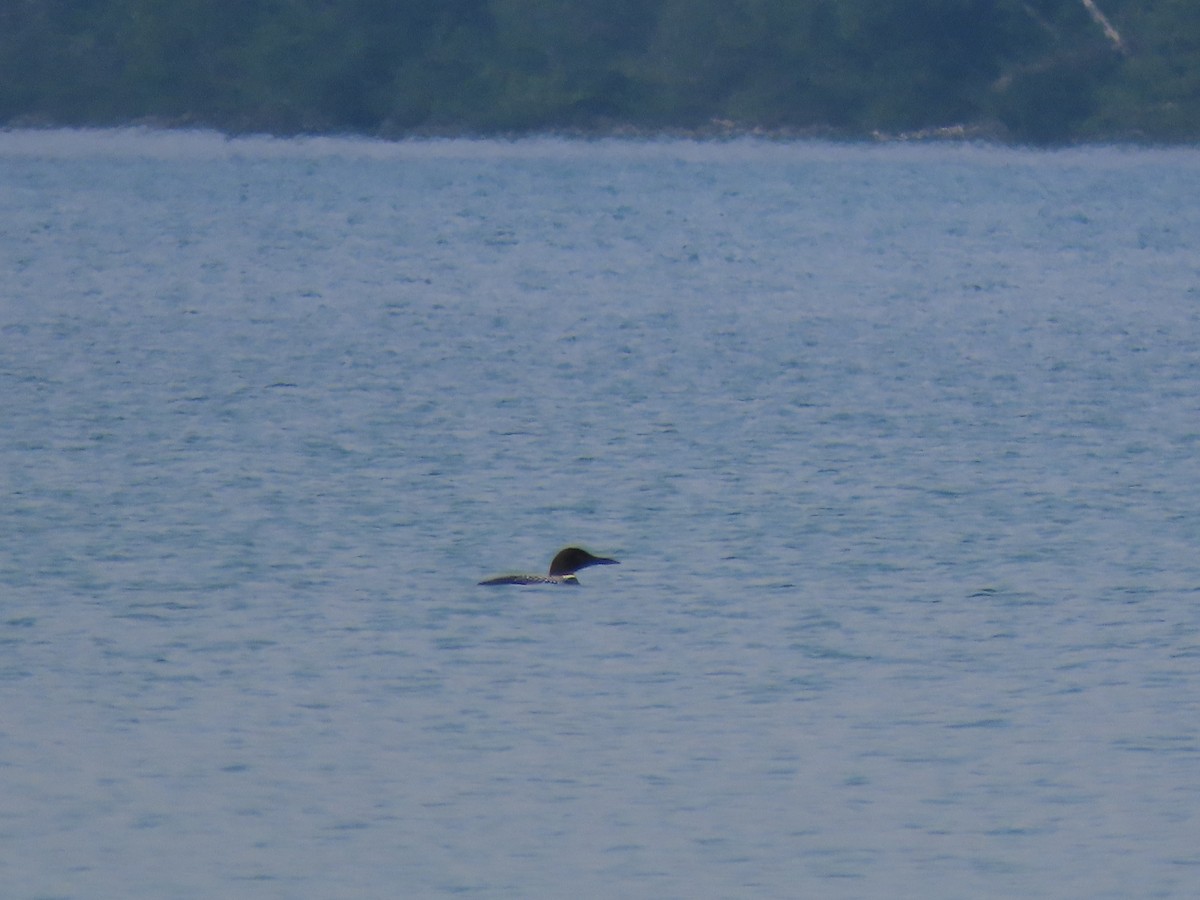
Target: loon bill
{"points": [[562, 569]]}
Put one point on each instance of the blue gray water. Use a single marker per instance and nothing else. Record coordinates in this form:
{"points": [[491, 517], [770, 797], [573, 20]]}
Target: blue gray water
{"points": [[899, 448]]}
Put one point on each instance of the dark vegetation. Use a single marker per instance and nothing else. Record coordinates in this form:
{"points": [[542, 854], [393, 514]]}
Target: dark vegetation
{"points": [[1041, 71]]}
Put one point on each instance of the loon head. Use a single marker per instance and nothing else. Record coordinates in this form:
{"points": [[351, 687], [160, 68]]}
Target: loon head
{"points": [[569, 561]]}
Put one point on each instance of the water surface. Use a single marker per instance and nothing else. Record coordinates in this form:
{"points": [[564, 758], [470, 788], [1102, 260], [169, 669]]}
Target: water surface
{"points": [[897, 446]]}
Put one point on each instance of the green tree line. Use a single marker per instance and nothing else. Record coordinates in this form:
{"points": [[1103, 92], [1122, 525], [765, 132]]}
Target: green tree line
{"points": [[1023, 70]]}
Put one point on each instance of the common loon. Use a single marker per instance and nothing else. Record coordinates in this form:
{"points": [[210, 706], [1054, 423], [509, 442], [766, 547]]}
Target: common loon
{"points": [[562, 569]]}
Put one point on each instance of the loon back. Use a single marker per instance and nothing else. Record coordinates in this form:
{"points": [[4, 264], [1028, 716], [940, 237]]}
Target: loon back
{"points": [[533, 579], [562, 570]]}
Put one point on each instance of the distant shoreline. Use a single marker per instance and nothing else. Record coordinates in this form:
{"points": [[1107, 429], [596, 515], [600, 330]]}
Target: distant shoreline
{"points": [[992, 133]]}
